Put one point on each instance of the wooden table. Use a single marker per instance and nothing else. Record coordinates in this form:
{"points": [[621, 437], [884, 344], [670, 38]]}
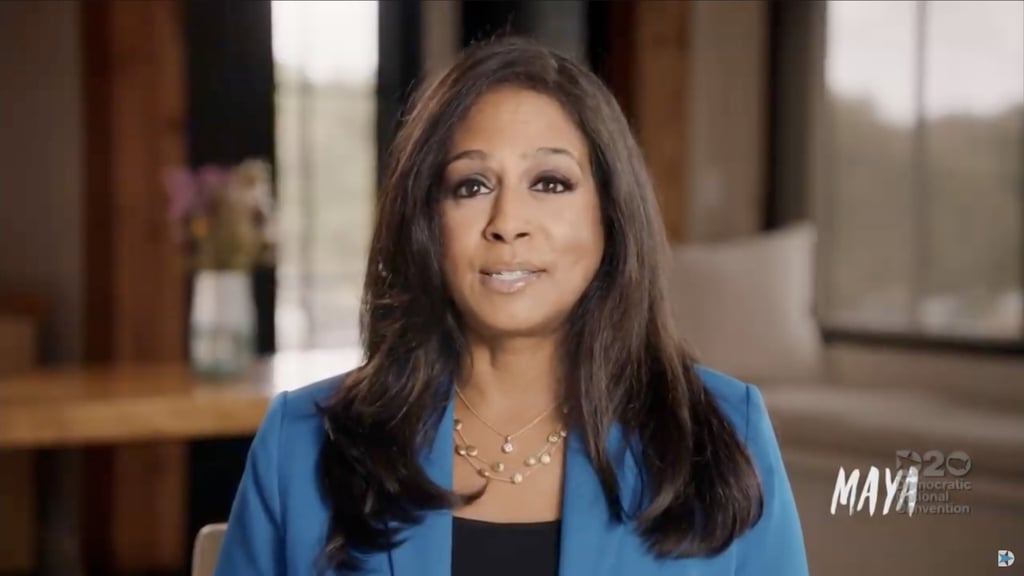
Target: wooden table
{"points": [[70, 408]]}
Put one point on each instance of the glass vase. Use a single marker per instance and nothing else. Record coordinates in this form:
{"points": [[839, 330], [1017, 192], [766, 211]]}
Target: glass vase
{"points": [[222, 323]]}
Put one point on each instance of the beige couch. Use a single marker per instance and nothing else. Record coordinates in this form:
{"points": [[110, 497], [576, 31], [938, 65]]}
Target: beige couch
{"points": [[746, 308]]}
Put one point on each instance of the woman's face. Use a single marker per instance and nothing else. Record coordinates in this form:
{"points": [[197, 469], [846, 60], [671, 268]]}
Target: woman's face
{"points": [[521, 217]]}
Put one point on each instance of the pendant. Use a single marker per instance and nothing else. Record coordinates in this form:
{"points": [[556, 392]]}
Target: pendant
{"points": [[507, 447]]}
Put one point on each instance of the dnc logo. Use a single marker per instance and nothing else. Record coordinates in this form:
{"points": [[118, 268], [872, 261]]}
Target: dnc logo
{"points": [[1005, 558]]}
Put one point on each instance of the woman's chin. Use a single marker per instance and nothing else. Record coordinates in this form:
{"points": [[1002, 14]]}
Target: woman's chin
{"points": [[508, 326]]}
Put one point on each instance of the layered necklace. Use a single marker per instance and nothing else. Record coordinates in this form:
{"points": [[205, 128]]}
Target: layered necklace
{"points": [[497, 469]]}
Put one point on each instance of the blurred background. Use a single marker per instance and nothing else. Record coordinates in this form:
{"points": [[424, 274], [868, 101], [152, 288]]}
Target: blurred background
{"points": [[842, 182]]}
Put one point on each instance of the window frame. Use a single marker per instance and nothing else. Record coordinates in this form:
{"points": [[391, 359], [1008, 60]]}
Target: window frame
{"points": [[824, 160]]}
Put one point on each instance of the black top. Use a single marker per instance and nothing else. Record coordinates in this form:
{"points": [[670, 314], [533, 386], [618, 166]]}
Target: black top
{"points": [[494, 549]]}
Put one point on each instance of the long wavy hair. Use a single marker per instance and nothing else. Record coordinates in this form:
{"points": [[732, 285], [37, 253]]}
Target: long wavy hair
{"points": [[622, 362]]}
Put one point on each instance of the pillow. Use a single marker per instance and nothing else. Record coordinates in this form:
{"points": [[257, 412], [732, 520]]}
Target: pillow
{"points": [[746, 306]]}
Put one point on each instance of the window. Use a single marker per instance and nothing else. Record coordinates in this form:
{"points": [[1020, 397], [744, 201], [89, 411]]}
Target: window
{"points": [[922, 199], [325, 59]]}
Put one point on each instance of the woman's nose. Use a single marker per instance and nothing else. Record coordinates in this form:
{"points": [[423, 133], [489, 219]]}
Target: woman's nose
{"points": [[510, 219], [497, 235]]}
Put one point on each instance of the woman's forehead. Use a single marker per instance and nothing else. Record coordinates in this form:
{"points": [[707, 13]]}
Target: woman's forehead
{"points": [[518, 119]]}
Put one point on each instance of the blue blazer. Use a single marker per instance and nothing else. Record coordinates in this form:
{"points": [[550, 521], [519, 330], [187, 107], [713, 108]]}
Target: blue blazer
{"points": [[278, 522]]}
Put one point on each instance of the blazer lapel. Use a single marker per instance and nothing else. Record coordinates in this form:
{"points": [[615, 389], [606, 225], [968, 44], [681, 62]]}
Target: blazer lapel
{"points": [[593, 542], [427, 546]]}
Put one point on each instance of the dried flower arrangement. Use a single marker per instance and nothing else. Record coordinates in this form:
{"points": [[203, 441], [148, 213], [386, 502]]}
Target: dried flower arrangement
{"points": [[224, 216]]}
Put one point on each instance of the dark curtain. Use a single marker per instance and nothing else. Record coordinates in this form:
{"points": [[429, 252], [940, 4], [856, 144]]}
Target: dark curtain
{"points": [[230, 71], [231, 116], [561, 25]]}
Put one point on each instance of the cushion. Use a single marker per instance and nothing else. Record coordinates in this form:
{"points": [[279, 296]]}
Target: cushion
{"points": [[746, 306]]}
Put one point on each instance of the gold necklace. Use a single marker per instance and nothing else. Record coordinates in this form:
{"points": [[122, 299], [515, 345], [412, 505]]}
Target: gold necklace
{"points": [[492, 470], [507, 447]]}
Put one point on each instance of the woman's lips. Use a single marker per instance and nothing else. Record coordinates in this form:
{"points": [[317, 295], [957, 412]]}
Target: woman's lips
{"points": [[509, 282]]}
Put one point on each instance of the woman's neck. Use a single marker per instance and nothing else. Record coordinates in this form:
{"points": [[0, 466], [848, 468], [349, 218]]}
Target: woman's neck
{"points": [[512, 377]]}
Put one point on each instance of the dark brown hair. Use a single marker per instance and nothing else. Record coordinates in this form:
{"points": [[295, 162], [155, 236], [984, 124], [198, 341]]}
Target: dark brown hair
{"points": [[622, 362]]}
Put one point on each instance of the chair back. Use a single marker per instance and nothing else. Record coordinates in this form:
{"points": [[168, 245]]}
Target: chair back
{"points": [[207, 549]]}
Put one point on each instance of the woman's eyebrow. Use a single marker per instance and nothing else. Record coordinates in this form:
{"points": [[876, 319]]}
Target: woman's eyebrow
{"points": [[549, 151], [561, 151], [472, 154], [476, 154]]}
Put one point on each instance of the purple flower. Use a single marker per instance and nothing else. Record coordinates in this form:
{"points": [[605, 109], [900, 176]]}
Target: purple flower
{"points": [[181, 187], [222, 215], [213, 177]]}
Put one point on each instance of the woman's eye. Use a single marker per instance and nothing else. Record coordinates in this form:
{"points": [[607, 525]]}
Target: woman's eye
{"points": [[551, 185], [470, 188]]}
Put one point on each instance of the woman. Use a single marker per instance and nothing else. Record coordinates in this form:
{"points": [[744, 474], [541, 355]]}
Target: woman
{"points": [[524, 406]]}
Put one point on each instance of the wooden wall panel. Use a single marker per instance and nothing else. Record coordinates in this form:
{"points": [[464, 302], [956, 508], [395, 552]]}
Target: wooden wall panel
{"points": [[728, 108], [135, 99], [148, 137], [22, 317], [17, 512], [659, 102]]}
